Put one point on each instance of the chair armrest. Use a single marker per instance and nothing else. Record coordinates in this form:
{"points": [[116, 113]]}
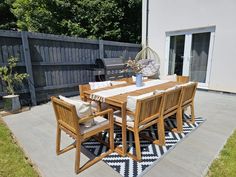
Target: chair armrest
{"points": [[85, 119], [109, 112], [130, 113]]}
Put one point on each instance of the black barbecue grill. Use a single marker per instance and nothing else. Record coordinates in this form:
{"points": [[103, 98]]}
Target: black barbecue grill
{"points": [[112, 68]]}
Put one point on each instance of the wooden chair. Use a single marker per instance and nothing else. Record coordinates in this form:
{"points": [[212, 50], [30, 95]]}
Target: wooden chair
{"points": [[148, 112], [97, 106], [82, 89], [176, 78], [183, 79], [129, 80], [189, 91], [172, 106], [86, 87], [70, 123]]}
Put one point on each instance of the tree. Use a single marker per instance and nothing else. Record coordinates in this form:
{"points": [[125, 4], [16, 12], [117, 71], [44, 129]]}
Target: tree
{"points": [[7, 19], [111, 19], [131, 23], [11, 78]]}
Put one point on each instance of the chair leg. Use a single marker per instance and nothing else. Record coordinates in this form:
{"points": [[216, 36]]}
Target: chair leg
{"points": [[124, 135], [179, 120], [111, 131], [137, 145], [111, 138], [58, 140], [77, 156], [161, 131], [192, 114], [99, 135], [99, 107]]}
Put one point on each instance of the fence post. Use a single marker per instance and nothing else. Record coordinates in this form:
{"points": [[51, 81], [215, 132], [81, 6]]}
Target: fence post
{"points": [[101, 49], [28, 64]]}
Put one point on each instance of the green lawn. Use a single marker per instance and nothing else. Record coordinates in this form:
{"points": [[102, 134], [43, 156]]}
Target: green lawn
{"points": [[225, 165], [13, 163]]}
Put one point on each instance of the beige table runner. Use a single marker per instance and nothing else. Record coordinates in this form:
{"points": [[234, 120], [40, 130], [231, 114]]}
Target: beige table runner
{"points": [[102, 95]]}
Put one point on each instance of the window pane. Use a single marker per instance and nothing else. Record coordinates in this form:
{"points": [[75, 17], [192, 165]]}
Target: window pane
{"points": [[176, 54], [199, 57]]}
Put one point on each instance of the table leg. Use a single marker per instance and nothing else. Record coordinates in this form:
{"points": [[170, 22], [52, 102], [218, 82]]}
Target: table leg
{"points": [[123, 150], [124, 142]]}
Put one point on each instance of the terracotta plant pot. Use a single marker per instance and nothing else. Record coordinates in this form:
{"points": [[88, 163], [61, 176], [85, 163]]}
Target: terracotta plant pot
{"points": [[11, 103]]}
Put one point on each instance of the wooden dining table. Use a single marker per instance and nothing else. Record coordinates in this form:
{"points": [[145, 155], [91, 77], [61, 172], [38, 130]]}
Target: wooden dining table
{"points": [[119, 101]]}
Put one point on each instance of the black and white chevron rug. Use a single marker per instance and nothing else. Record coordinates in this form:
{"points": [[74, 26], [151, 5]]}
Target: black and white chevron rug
{"points": [[150, 153]]}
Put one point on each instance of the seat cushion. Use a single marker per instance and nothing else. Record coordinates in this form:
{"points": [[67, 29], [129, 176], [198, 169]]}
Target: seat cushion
{"points": [[132, 100], [187, 84], [95, 105], [156, 92], [118, 118], [98, 122], [150, 67], [118, 82], [83, 109], [97, 85], [173, 88], [169, 77]]}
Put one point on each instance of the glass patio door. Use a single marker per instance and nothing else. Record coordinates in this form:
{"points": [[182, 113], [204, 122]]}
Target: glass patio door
{"points": [[176, 55], [190, 55], [199, 57]]}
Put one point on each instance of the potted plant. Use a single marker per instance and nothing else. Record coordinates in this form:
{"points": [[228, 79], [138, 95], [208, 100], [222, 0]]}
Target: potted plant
{"points": [[136, 68], [11, 78]]}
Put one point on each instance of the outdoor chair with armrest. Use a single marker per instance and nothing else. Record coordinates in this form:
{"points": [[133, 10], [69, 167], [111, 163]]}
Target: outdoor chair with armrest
{"points": [[82, 89], [172, 106], [126, 79], [148, 112], [97, 106], [183, 79], [176, 78], [70, 123], [189, 91]]}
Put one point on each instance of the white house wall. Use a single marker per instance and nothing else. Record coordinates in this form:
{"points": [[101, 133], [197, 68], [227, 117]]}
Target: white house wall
{"points": [[172, 15]]}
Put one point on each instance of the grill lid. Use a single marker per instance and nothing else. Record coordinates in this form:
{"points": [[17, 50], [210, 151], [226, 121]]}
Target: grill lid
{"points": [[110, 63]]}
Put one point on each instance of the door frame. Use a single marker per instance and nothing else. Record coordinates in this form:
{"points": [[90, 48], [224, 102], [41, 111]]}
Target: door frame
{"points": [[187, 50]]}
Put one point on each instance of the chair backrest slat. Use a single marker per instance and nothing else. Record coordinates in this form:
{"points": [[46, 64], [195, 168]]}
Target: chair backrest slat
{"points": [[183, 79], [82, 89], [65, 114], [172, 100], [148, 108], [189, 93]]}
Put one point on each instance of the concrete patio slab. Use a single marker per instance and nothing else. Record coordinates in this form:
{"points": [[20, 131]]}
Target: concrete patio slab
{"points": [[35, 131]]}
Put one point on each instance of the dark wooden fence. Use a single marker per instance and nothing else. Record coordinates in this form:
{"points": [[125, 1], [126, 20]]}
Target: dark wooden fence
{"points": [[57, 64]]}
